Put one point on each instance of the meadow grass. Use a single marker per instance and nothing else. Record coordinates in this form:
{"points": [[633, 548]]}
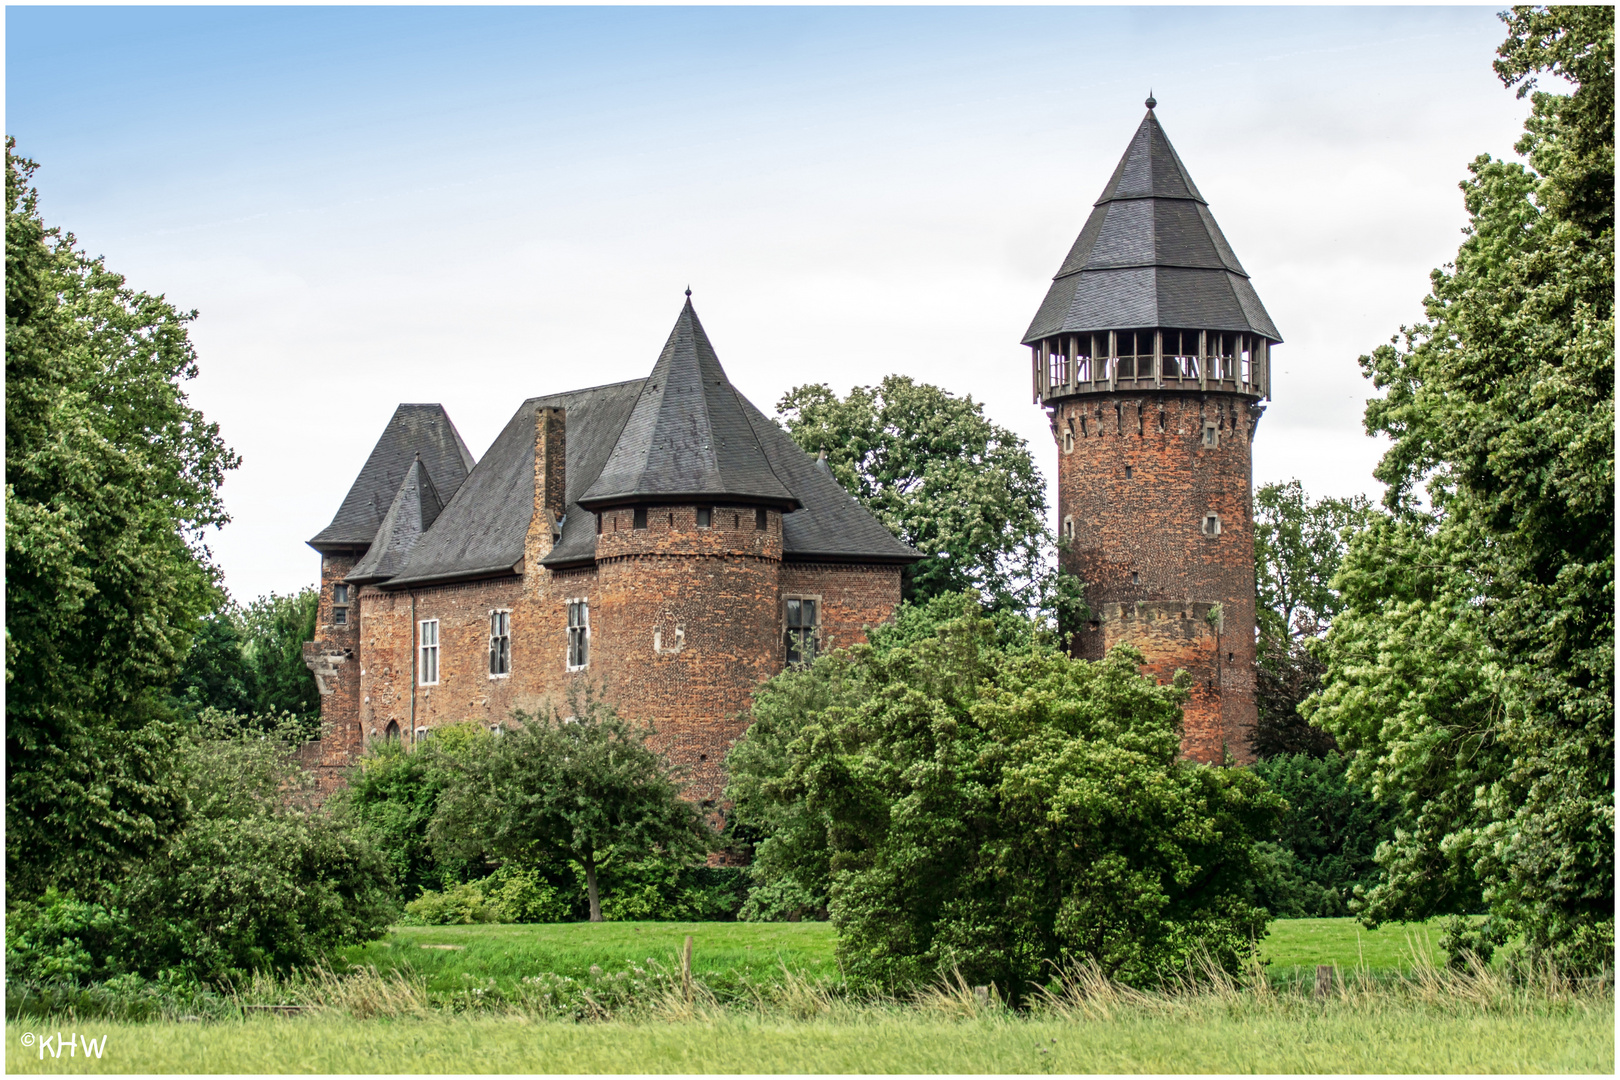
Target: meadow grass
{"points": [[1206, 1033], [448, 955], [506, 953]]}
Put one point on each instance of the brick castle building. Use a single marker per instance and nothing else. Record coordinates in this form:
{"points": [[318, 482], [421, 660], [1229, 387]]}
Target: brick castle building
{"points": [[1152, 356], [660, 540]]}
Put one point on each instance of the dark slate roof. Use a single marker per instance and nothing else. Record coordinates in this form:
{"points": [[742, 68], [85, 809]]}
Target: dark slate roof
{"points": [[413, 430], [415, 509], [482, 530], [689, 435], [1151, 254]]}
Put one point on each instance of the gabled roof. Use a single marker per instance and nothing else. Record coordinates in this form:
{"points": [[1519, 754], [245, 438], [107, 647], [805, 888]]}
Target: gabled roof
{"points": [[689, 435], [1150, 255], [482, 530], [413, 512], [412, 430]]}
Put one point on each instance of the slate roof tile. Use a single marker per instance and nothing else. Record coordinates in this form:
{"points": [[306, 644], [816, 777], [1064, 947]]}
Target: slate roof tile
{"points": [[1150, 254]]}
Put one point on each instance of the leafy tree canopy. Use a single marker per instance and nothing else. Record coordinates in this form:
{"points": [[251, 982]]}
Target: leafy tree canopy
{"points": [[965, 806], [929, 465], [1471, 670], [1298, 546], [583, 788], [111, 479]]}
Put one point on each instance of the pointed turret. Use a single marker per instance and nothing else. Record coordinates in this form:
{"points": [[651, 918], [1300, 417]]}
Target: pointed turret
{"points": [[415, 508], [689, 436], [1150, 290], [413, 431]]}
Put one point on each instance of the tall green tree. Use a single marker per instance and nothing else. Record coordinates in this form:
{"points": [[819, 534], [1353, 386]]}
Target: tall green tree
{"points": [[964, 805], [111, 479], [584, 788], [274, 629], [1298, 546], [932, 467], [1471, 671]]}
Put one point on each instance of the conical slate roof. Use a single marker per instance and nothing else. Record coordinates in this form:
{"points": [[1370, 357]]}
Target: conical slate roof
{"points": [[1151, 255], [413, 430], [688, 435], [415, 508]]}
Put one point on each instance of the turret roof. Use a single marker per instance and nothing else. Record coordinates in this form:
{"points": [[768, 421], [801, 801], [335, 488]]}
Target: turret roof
{"points": [[415, 508], [412, 430], [688, 435], [1150, 255]]}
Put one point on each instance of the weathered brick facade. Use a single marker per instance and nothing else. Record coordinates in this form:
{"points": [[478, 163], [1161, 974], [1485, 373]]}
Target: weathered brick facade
{"points": [[686, 597], [1135, 491]]}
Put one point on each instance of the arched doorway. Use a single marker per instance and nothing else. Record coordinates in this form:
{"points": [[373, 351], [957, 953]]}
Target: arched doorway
{"points": [[391, 732]]}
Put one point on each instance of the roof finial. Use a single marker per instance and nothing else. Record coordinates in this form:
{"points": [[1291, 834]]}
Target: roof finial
{"points": [[1151, 104], [689, 292]]}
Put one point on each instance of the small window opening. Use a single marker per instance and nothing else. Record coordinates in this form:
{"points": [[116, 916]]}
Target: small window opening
{"points": [[736, 521], [759, 520], [639, 520], [598, 524], [1068, 528], [705, 517], [802, 624], [340, 604], [1127, 472], [1068, 442], [500, 643], [579, 634], [1212, 435], [427, 637], [1212, 524], [1136, 578], [703, 757], [1230, 658], [421, 734], [672, 521]]}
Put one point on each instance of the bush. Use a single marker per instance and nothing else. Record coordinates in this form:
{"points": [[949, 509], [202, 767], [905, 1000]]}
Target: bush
{"points": [[1326, 839], [251, 880], [996, 811]]}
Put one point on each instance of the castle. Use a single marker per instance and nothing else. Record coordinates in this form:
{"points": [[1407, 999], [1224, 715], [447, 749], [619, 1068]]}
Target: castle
{"points": [[665, 542], [1151, 356], [660, 540]]}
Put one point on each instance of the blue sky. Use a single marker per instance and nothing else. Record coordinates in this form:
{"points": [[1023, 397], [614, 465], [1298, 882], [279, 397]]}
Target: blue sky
{"points": [[477, 205]]}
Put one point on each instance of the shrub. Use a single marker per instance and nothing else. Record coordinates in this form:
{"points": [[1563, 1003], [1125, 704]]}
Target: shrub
{"points": [[1326, 839], [455, 906], [995, 811], [60, 939]]}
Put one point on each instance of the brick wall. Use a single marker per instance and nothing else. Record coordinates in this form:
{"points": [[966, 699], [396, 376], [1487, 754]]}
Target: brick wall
{"points": [[1140, 538], [333, 657], [685, 623]]}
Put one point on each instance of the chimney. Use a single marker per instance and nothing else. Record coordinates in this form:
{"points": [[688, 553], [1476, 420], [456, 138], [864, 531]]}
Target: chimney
{"points": [[550, 477]]}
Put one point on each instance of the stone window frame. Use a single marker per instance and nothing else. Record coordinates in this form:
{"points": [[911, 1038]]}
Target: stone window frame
{"points": [[805, 632], [1212, 435], [340, 603], [427, 652], [578, 634], [1068, 527], [500, 632], [1210, 526], [1068, 440]]}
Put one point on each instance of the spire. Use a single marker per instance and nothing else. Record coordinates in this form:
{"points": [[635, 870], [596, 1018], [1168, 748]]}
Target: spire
{"points": [[1151, 255], [688, 436], [415, 507]]}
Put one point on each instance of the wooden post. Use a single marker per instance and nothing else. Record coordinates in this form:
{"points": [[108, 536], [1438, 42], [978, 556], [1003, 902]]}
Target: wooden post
{"points": [[1324, 979], [686, 968]]}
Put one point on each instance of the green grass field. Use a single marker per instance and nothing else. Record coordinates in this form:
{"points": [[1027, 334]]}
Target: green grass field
{"points": [[444, 954], [1378, 1021], [505, 953], [1324, 1040]]}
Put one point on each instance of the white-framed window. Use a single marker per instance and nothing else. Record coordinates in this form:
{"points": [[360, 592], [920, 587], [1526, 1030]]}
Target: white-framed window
{"points": [[579, 634], [427, 641], [1068, 441], [500, 643], [1212, 435], [802, 616], [1212, 524], [1068, 528], [340, 604]]}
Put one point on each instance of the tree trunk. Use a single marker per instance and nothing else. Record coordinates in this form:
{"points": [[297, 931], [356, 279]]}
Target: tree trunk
{"points": [[590, 887]]}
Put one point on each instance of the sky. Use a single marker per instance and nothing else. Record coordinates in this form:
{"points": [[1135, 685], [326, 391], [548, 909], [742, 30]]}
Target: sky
{"points": [[472, 206]]}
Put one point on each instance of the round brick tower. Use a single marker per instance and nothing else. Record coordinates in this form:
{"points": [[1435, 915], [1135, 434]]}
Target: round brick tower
{"points": [[1152, 356], [689, 557]]}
